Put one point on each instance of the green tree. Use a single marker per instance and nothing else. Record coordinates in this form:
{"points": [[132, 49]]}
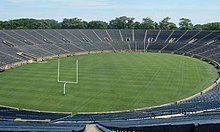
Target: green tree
{"points": [[185, 24], [156, 25], [211, 26], [172, 26], [1, 24], [97, 25], [122, 23], [8, 25], [147, 23], [197, 27], [130, 22], [26, 23], [137, 25], [36, 24], [52, 24], [74, 23], [23, 23], [165, 24]]}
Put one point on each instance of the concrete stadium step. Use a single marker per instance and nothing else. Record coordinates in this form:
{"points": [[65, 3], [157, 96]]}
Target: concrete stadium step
{"points": [[92, 128]]}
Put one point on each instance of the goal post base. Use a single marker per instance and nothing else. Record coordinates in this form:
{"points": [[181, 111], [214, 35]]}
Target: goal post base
{"points": [[64, 88]]}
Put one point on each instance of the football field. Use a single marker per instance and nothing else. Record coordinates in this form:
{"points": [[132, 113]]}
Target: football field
{"points": [[107, 82]]}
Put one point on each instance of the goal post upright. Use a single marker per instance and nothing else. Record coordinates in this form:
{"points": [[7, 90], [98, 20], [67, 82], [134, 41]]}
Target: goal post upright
{"points": [[58, 71], [64, 88], [77, 71]]}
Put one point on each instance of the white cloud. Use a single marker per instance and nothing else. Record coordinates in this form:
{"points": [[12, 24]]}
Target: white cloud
{"points": [[109, 9], [20, 1], [62, 3], [81, 3]]}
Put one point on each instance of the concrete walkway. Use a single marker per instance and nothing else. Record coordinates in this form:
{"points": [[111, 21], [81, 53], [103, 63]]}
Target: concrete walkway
{"points": [[92, 128]]}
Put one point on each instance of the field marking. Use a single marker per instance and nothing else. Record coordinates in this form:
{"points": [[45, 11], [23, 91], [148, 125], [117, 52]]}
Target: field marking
{"points": [[197, 71], [82, 105], [40, 62], [149, 82], [46, 77], [181, 80], [168, 62], [199, 75], [138, 98]]}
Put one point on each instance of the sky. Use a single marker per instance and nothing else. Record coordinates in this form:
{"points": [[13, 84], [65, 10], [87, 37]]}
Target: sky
{"points": [[199, 11]]}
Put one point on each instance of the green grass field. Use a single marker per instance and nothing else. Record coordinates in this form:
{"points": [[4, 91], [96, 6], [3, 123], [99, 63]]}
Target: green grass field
{"points": [[107, 82]]}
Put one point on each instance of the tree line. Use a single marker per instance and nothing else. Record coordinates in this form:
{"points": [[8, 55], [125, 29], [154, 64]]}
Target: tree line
{"points": [[122, 22]]}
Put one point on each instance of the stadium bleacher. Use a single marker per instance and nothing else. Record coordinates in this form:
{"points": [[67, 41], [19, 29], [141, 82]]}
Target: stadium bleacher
{"points": [[49, 127], [44, 43], [163, 36], [187, 123]]}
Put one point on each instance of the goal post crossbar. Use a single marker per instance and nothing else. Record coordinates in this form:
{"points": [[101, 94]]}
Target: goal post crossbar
{"points": [[68, 82], [65, 82]]}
